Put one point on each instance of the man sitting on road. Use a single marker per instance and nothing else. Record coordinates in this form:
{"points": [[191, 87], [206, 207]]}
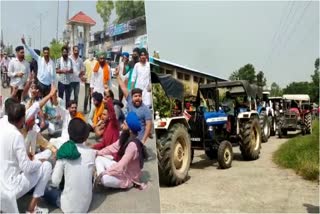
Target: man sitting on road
{"points": [[67, 116], [18, 174], [96, 110]]}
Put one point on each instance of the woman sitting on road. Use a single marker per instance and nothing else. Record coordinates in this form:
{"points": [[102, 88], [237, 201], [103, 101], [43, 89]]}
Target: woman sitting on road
{"points": [[128, 154]]}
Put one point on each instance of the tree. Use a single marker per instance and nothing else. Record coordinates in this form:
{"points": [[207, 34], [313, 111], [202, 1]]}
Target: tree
{"points": [[161, 102], [297, 88], [9, 50], [314, 91], [275, 90], [234, 76], [55, 49], [104, 8], [246, 72], [316, 64], [127, 10], [261, 79]]}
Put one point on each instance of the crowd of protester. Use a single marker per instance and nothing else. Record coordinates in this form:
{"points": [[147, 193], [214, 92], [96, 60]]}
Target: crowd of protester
{"points": [[44, 142]]}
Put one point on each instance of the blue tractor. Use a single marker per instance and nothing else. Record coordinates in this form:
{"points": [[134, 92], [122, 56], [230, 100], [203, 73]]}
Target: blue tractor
{"points": [[226, 118], [266, 114]]}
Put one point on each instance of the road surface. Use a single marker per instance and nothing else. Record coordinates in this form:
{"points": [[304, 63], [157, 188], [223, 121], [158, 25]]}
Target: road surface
{"points": [[254, 186]]}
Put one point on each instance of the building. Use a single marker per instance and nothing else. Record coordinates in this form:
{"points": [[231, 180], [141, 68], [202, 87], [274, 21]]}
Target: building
{"points": [[190, 77], [73, 36], [118, 38]]}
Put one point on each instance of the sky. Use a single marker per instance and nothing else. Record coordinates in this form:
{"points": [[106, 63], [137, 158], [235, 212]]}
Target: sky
{"points": [[278, 37], [26, 18]]}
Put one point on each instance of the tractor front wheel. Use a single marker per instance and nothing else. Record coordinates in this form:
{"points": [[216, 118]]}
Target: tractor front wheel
{"points": [[225, 154], [174, 155]]}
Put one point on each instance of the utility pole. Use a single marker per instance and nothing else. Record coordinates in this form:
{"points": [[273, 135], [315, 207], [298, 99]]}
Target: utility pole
{"points": [[67, 11], [40, 30], [57, 22], [29, 42]]}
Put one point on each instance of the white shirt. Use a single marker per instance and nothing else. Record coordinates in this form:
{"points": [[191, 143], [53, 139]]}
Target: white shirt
{"points": [[77, 66], [142, 76], [13, 157], [16, 66], [96, 81], [77, 194], [66, 117], [46, 71], [123, 77]]}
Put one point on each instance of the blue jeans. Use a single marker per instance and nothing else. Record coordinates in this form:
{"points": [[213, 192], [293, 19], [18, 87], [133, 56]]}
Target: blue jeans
{"points": [[52, 196], [75, 88]]}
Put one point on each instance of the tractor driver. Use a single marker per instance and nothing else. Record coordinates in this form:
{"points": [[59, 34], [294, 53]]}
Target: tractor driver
{"points": [[294, 108], [228, 104]]}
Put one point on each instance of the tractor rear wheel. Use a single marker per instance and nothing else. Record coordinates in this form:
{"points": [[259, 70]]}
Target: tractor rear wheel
{"points": [[308, 123], [225, 154], [251, 139], [265, 126], [174, 155]]}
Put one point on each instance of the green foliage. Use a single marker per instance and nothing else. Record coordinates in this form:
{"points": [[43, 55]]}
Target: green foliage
{"points": [[161, 102], [55, 49], [301, 154], [28, 58], [246, 72], [316, 64], [104, 8], [276, 91], [314, 88], [261, 79], [127, 10], [297, 88], [9, 50]]}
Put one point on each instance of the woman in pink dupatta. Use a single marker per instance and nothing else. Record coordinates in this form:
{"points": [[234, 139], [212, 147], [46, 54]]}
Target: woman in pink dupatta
{"points": [[128, 154]]}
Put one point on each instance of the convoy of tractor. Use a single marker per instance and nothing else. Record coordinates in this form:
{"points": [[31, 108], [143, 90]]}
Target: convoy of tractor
{"points": [[224, 115]]}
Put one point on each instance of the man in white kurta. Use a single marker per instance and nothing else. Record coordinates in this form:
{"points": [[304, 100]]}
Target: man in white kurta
{"points": [[18, 71], [18, 174], [96, 81], [141, 78]]}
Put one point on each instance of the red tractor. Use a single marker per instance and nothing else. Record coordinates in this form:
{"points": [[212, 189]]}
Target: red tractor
{"points": [[297, 115]]}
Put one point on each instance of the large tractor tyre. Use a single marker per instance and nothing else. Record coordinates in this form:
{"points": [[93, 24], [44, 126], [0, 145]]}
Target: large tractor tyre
{"points": [[225, 154], [174, 155], [265, 126], [308, 123], [250, 146], [212, 153], [273, 125]]}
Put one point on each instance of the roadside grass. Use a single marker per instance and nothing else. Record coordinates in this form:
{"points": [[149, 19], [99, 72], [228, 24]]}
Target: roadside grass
{"points": [[301, 154]]}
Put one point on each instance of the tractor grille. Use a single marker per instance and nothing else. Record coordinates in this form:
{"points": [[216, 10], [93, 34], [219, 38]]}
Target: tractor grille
{"points": [[290, 119], [290, 116]]}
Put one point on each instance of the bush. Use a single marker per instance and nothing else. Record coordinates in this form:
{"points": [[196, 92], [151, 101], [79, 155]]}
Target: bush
{"points": [[161, 102], [301, 154]]}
